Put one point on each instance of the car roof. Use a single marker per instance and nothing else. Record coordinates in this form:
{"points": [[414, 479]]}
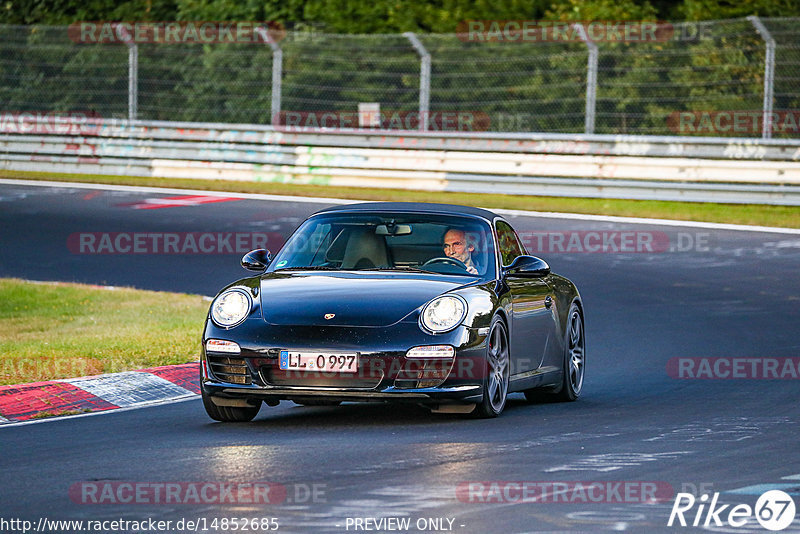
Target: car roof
{"points": [[417, 207]]}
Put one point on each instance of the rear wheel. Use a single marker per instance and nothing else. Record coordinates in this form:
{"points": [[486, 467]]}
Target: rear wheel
{"points": [[229, 414], [575, 357], [495, 384]]}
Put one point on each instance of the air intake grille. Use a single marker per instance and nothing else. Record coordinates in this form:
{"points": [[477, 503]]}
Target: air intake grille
{"points": [[423, 373], [227, 369]]}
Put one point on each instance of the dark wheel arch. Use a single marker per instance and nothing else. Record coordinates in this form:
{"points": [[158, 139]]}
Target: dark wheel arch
{"points": [[571, 385]]}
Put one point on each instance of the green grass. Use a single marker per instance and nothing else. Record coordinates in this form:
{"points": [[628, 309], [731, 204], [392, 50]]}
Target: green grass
{"points": [[59, 330], [753, 214]]}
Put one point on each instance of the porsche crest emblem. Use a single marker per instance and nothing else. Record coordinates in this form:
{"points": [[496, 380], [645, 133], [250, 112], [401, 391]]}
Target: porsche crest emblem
{"points": [[329, 316]]}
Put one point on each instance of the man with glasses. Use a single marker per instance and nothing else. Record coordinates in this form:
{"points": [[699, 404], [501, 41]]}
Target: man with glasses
{"points": [[457, 247]]}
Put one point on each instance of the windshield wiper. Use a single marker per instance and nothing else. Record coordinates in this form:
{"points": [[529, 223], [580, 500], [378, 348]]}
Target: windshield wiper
{"points": [[399, 268]]}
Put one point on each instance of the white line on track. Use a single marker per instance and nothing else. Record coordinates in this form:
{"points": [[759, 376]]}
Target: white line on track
{"points": [[147, 189], [326, 200], [643, 220]]}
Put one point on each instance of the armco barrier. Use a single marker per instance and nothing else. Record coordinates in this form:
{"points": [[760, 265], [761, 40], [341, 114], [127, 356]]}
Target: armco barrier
{"points": [[663, 168]]}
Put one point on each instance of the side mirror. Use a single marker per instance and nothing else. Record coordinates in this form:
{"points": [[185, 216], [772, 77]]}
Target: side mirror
{"points": [[528, 267], [256, 260]]}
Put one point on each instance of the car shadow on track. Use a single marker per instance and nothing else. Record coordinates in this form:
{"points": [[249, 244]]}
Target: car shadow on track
{"points": [[349, 415]]}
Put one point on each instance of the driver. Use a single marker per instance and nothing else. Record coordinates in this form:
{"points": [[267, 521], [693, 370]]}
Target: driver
{"points": [[457, 247]]}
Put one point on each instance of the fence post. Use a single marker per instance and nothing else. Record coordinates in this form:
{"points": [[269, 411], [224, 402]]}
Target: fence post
{"points": [[133, 72], [424, 79], [769, 75], [591, 79], [277, 74], [133, 81]]}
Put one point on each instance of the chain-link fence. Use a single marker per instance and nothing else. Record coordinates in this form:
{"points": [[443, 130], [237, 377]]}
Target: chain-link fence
{"points": [[708, 78]]}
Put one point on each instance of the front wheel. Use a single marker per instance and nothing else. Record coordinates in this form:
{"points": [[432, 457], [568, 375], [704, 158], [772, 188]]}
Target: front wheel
{"points": [[229, 414], [495, 383]]}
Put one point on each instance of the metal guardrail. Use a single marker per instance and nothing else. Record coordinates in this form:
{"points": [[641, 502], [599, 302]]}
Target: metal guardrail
{"points": [[540, 143], [663, 168]]}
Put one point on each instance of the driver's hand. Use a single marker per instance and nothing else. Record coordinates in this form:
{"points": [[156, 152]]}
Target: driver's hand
{"points": [[472, 270]]}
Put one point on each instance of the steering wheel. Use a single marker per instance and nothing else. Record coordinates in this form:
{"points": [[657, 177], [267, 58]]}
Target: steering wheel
{"points": [[446, 259]]}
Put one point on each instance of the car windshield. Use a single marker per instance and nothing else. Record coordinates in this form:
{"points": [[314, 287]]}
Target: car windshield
{"points": [[451, 245]]}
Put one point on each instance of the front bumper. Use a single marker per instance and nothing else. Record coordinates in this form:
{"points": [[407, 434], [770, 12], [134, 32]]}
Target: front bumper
{"points": [[437, 395]]}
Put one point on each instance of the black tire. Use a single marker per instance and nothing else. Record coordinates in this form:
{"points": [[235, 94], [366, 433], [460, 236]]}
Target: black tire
{"points": [[495, 382], [229, 414], [574, 363]]}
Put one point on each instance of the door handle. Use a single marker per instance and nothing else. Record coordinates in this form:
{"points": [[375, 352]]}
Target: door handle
{"points": [[548, 301]]}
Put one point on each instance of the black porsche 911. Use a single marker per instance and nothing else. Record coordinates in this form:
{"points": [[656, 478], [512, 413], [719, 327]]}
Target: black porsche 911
{"points": [[394, 302]]}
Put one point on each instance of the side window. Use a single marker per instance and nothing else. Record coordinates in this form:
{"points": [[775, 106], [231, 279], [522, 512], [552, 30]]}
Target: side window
{"points": [[508, 242]]}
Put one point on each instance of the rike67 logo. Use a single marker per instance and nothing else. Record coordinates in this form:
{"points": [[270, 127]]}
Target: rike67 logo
{"points": [[774, 510]]}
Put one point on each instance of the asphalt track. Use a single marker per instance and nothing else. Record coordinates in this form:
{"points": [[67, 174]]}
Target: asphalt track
{"points": [[735, 295]]}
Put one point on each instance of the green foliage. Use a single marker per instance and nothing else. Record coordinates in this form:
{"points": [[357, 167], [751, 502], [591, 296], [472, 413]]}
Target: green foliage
{"points": [[287, 12], [611, 10], [58, 12], [727, 9], [383, 16], [392, 16]]}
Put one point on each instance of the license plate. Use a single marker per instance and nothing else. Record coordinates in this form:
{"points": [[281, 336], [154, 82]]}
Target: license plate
{"points": [[325, 362]]}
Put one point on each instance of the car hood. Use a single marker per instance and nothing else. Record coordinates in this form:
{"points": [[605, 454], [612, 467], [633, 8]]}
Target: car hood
{"points": [[354, 299]]}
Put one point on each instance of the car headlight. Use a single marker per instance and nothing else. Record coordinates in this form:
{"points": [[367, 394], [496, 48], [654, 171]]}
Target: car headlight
{"points": [[443, 313], [230, 308]]}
